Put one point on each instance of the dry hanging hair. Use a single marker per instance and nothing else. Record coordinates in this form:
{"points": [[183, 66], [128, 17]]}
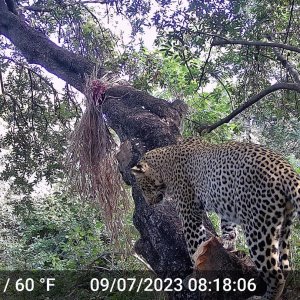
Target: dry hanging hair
{"points": [[92, 163]]}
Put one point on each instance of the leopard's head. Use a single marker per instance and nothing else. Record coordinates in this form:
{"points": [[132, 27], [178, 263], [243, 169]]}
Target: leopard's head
{"points": [[150, 182]]}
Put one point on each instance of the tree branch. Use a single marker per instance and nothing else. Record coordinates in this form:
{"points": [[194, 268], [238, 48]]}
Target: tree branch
{"points": [[64, 5], [223, 85], [38, 49], [204, 66], [251, 101], [290, 22], [1, 83], [179, 37], [11, 6], [220, 41], [286, 64], [36, 9]]}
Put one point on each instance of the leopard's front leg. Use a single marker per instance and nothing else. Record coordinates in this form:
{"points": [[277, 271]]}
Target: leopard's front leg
{"points": [[192, 222]]}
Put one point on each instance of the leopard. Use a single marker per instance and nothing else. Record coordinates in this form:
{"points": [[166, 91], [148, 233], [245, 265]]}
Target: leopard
{"points": [[246, 184]]}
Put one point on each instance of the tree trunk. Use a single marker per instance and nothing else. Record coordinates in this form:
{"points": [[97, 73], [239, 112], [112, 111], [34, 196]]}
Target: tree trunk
{"points": [[143, 123]]}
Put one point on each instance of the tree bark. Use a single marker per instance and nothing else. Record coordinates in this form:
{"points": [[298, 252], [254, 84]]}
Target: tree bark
{"points": [[142, 122]]}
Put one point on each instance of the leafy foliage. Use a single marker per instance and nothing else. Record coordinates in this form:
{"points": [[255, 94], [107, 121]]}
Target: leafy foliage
{"points": [[39, 112], [56, 232], [38, 122], [187, 33]]}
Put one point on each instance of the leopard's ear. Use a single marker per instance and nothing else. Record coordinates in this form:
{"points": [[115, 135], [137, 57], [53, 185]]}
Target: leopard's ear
{"points": [[140, 169]]}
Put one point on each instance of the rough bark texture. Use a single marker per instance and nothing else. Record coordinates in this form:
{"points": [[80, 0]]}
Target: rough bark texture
{"points": [[142, 122]]}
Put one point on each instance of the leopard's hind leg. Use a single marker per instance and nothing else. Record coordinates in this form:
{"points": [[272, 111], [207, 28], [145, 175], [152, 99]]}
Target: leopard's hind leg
{"points": [[263, 242], [285, 232]]}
